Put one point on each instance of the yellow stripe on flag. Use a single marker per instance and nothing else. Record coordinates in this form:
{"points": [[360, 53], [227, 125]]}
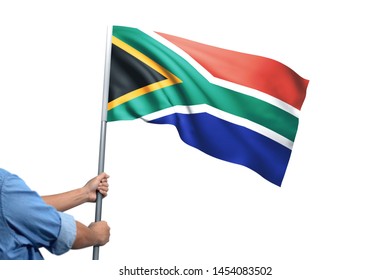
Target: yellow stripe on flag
{"points": [[171, 79]]}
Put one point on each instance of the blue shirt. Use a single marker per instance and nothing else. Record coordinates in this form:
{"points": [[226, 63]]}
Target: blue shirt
{"points": [[27, 223]]}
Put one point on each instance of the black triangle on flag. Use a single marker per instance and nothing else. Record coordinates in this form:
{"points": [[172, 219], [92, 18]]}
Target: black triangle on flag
{"points": [[133, 74]]}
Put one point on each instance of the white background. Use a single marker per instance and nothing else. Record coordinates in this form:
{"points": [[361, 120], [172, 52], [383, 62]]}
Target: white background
{"points": [[170, 204]]}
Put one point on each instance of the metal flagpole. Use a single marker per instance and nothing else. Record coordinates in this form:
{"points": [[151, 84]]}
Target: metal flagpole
{"points": [[103, 127]]}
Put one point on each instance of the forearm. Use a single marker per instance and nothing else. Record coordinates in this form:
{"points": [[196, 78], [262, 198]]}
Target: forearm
{"points": [[96, 234], [67, 200], [85, 237]]}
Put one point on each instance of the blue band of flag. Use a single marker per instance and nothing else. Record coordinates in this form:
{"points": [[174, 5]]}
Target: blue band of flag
{"points": [[231, 142]]}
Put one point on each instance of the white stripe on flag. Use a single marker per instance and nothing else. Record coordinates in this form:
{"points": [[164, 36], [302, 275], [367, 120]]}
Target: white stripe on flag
{"points": [[204, 108], [223, 83]]}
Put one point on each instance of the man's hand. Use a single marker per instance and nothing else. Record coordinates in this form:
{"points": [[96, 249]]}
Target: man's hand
{"points": [[102, 231], [98, 183]]}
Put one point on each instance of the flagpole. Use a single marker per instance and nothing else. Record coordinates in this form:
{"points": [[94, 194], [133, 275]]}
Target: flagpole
{"points": [[103, 128]]}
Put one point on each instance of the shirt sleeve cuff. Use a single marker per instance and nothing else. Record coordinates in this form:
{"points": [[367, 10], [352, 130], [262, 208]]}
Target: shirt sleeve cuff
{"points": [[66, 236]]}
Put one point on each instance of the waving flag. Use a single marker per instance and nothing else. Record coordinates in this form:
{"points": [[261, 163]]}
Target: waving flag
{"points": [[237, 107]]}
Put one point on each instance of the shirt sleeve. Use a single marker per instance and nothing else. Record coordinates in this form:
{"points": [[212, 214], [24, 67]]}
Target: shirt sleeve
{"points": [[34, 222], [66, 237]]}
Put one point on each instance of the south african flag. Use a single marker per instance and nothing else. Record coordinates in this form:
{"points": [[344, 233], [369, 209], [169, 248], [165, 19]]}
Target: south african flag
{"points": [[234, 106]]}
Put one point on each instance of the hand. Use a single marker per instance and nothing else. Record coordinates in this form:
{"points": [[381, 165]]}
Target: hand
{"points": [[102, 232], [98, 183]]}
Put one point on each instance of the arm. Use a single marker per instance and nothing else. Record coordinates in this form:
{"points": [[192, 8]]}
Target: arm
{"points": [[96, 234], [38, 224], [67, 200]]}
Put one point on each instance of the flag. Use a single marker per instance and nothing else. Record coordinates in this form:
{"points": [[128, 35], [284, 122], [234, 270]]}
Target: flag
{"points": [[234, 106]]}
